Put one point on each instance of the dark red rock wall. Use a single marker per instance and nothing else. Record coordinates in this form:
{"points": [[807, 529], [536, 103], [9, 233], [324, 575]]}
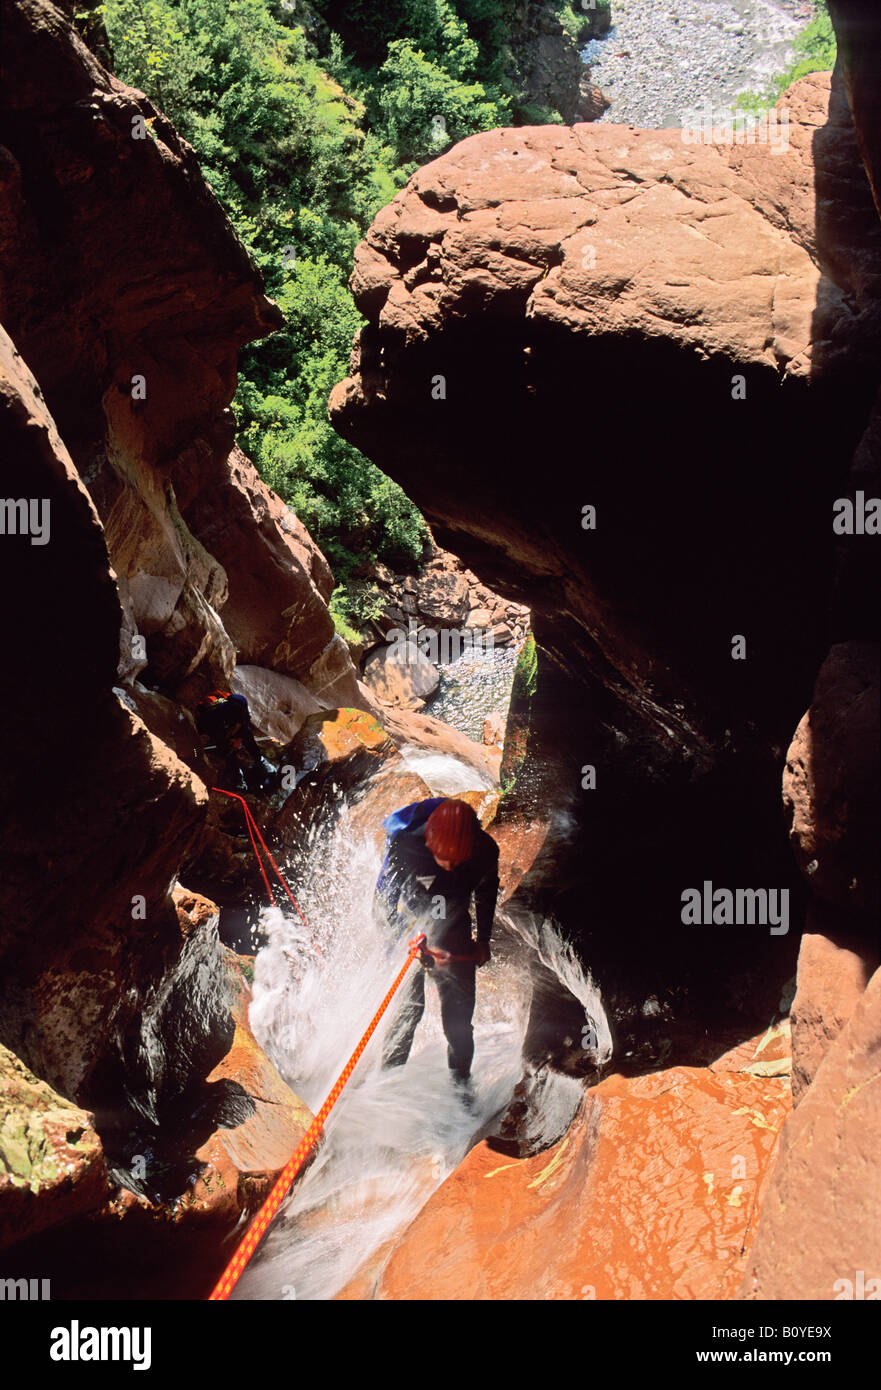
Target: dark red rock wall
{"points": [[117, 261], [607, 380]]}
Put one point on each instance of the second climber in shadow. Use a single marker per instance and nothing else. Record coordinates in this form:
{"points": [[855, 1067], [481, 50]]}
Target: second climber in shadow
{"points": [[226, 720], [438, 858]]}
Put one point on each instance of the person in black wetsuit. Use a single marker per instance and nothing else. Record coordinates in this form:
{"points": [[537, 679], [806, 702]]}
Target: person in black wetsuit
{"points": [[438, 858], [226, 720]]}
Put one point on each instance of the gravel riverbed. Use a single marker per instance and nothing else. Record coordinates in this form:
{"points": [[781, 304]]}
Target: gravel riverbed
{"points": [[661, 61], [473, 688]]}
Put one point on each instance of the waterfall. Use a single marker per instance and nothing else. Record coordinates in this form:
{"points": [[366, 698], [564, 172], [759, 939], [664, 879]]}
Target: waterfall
{"points": [[394, 1135]]}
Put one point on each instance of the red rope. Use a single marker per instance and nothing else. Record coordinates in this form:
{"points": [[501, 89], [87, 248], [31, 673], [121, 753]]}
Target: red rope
{"points": [[269, 891], [259, 1225], [253, 828]]}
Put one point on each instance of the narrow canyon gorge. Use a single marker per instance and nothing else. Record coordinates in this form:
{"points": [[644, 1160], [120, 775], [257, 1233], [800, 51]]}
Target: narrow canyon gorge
{"points": [[627, 380]]}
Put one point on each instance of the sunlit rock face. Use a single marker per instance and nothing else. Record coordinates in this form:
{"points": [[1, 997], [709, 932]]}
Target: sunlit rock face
{"points": [[125, 295]]}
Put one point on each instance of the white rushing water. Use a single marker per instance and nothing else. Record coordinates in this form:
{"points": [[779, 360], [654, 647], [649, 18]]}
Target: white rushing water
{"points": [[394, 1135], [443, 775]]}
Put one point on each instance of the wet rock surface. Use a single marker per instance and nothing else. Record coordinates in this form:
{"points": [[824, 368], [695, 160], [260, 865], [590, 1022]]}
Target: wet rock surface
{"points": [[821, 1219], [643, 1198]]}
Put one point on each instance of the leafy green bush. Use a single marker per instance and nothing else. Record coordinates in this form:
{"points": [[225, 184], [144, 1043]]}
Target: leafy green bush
{"points": [[529, 113], [421, 108], [813, 51], [303, 148], [360, 603]]}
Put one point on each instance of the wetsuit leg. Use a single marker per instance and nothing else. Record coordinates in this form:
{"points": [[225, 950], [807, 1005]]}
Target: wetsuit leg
{"points": [[397, 1045], [456, 986]]}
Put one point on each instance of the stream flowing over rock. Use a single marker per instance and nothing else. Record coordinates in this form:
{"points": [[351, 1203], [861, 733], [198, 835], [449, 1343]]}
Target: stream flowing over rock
{"points": [[577, 1222]]}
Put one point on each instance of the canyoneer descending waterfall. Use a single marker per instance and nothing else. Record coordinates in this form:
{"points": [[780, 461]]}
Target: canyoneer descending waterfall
{"points": [[438, 857]]}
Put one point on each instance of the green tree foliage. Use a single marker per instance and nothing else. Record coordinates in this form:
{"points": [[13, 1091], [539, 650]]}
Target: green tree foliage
{"points": [[421, 108], [814, 50], [368, 27], [303, 148]]}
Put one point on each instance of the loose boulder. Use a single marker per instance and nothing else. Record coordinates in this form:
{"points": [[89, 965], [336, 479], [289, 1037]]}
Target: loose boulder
{"points": [[399, 675]]}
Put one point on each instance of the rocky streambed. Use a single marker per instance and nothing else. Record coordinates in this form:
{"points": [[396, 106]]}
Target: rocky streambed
{"points": [[474, 692], [661, 60]]}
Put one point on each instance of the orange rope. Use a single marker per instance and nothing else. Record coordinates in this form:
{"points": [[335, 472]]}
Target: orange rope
{"points": [[259, 1225]]}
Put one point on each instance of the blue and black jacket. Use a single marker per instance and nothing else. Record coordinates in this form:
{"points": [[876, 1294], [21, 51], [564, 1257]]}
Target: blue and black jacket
{"points": [[418, 894]]}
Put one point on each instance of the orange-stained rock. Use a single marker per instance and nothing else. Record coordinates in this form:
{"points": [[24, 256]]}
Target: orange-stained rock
{"points": [[770, 1054], [192, 908], [423, 730], [521, 839], [494, 730], [821, 1218], [243, 1162], [362, 1284], [393, 786], [344, 747], [485, 804], [334, 735], [650, 1195]]}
